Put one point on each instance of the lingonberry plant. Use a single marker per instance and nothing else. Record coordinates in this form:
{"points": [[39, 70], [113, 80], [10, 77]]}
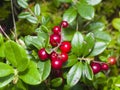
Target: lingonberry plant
{"points": [[61, 45]]}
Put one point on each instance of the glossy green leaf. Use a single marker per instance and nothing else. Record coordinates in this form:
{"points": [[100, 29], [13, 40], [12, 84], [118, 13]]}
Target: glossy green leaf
{"points": [[74, 74], [93, 2], [44, 69], [37, 9], [70, 15], [24, 15], [72, 59], [6, 80], [116, 23], [96, 26], [31, 75], [88, 44], [5, 70], [16, 55], [32, 19], [65, 1], [87, 71], [98, 48], [86, 11], [77, 43], [56, 82], [22, 3], [102, 35]]}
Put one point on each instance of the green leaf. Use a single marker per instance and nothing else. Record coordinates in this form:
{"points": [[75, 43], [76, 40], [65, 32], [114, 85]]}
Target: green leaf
{"points": [[70, 15], [87, 71], [2, 47], [31, 75], [32, 19], [37, 9], [93, 2], [24, 15], [88, 44], [22, 3], [116, 23], [67, 1], [77, 43], [98, 48], [5, 70], [74, 74], [1, 39], [72, 59], [86, 11], [102, 35], [16, 55], [96, 26], [6, 80], [44, 69], [56, 82]]}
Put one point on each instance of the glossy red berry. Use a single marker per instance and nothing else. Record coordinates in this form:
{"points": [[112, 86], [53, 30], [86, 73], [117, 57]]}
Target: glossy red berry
{"points": [[96, 67], [56, 64], [57, 30], [112, 60], [53, 56], [43, 55], [104, 66], [65, 46], [63, 56], [55, 39], [64, 24]]}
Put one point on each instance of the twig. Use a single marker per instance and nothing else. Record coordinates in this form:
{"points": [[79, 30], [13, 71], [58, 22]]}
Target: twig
{"points": [[14, 20], [4, 33]]}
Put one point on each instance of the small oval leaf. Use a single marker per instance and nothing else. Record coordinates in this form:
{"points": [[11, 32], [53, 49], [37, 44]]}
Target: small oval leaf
{"points": [[22, 3], [37, 9], [32, 19], [74, 74], [24, 15], [56, 82]]}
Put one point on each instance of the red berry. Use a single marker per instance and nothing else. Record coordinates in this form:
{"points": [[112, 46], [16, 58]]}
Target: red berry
{"points": [[96, 67], [55, 39], [65, 46], [64, 57], [53, 56], [56, 64], [43, 55], [104, 66], [56, 73], [64, 24], [112, 60], [57, 30]]}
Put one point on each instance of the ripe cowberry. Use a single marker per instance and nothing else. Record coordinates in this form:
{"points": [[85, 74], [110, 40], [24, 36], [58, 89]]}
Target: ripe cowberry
{"points": [[55, 39], [65, 46], [104, 66], [57, 30], [56, 64], [53, 56], [63, 56], [112, 60], [43, 55], [96, 67], [64, 24]]}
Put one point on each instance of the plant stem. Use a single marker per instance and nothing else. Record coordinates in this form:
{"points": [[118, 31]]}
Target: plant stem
{"points": [[4, 33], [13, 16]]}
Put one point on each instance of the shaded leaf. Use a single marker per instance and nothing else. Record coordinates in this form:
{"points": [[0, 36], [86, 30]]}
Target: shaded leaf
{"points": [[56, 82], [116, 23], [44, 69]]}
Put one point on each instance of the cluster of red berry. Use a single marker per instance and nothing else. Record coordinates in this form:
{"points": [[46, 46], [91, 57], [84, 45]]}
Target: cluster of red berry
{"points": [[98, 66], [57, 59]]}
